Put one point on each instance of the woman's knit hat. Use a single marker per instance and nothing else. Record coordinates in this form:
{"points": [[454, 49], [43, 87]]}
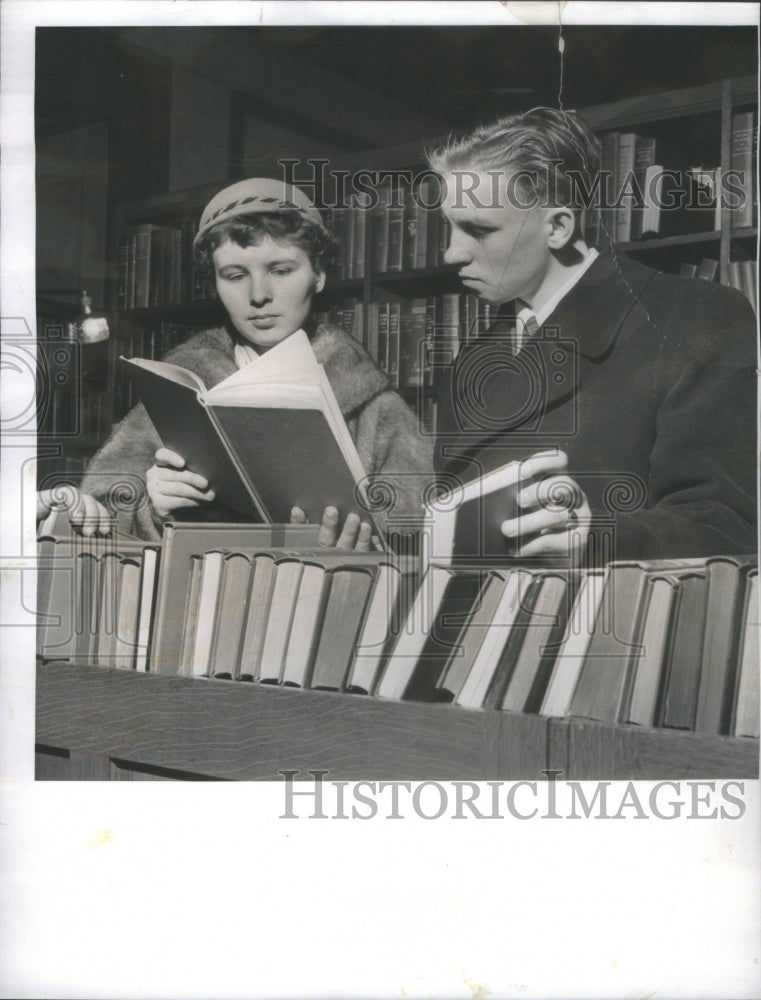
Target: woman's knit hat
{"points": [[256, 194]]}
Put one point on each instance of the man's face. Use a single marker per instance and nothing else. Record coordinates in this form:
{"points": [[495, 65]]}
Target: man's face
{"points": [[266, 289], [500, 249]]}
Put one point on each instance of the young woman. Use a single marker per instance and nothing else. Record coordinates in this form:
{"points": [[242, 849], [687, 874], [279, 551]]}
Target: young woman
{"points": [[269, 252]]}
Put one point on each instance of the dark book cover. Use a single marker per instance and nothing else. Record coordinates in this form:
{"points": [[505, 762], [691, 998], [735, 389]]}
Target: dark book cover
{"points": [[683, 666]]}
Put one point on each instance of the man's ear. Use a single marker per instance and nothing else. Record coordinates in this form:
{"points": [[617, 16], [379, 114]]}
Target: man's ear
{"points": [[562, 224]]}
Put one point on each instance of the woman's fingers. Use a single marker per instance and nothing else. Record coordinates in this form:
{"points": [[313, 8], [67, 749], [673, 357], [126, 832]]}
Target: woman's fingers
{"points": [[165, 456], [89, 516], [171, 489]]}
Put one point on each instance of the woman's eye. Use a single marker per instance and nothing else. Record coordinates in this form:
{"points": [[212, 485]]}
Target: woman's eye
{"points": [[235, 276], [281, 272]]}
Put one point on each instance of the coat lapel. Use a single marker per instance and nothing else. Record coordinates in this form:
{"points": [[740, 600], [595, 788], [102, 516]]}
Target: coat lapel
{"points": [[493, 393]]}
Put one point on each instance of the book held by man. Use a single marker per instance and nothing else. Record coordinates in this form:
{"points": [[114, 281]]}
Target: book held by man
{"points": [[268, 438]]}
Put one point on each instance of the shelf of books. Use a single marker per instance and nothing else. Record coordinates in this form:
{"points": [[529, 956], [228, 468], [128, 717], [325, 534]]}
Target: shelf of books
{"points": [[236, 651], [679, 169]]}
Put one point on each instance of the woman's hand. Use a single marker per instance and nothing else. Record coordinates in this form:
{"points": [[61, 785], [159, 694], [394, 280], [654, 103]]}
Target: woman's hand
{"points": [[355, 534], [171, 486], [555, 514], [87, 515]]}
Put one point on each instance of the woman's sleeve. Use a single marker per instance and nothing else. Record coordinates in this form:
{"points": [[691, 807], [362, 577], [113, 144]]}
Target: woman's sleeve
{"points": [[402, 462], [116, 474]]}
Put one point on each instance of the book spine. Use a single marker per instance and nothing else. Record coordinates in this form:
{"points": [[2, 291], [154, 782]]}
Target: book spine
{"points": [[742, 147], [624, 186], [644, 157], [394, 333]]}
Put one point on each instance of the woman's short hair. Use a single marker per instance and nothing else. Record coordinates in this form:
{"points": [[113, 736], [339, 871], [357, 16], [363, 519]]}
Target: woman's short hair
{"points": [[282, 226], [554, 153]]}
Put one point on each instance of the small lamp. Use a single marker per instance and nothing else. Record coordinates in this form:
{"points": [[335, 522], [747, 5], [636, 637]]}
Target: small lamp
{"points": [[89, 327]]}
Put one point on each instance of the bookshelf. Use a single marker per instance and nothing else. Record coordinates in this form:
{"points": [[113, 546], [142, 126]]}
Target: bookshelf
{"points": [[410, 686], [218, 730], [101, 724], [691, 127]]}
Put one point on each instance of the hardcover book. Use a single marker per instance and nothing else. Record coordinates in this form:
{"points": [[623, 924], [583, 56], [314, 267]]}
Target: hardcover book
{"points": [[256, 434]]}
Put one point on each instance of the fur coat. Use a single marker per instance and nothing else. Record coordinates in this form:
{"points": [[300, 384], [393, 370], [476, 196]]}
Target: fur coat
{"points": [[395, 455]]}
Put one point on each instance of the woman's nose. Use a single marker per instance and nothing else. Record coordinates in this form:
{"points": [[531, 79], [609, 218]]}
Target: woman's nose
{"points": [[259, 290]]}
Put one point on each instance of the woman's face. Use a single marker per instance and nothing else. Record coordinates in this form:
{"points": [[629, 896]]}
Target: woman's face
{"points": [[267, 289]]}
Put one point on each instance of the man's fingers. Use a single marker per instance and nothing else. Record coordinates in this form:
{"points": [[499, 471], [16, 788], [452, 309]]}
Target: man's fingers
{"points": [[298, 516], [543, 462], [556, 493], [539, 520]]}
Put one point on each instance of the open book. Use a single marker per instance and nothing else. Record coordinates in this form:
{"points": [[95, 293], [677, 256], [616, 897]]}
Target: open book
{"points": [[269, 437]]}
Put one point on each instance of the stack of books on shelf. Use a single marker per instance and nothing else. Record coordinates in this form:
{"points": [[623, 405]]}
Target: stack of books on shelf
{"points": [[669, 644], [413, 340], [405, 231], [156, 266], [641, 197]]}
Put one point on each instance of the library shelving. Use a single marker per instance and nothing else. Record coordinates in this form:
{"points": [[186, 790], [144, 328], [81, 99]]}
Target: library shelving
{"points": [[208, 729], [693, 131], [102, 724]]}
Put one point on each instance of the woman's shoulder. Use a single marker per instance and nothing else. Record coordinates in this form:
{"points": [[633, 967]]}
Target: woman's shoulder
{"points": [[208, 353], [209, 339], [353, 374]]}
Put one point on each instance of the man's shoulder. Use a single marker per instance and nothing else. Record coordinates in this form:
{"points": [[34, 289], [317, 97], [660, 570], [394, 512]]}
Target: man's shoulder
{"points": [[713, 321]]}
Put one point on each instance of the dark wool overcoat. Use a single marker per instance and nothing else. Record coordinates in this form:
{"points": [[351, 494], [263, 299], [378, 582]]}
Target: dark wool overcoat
{"points": [[384, 429], [648, 382]]}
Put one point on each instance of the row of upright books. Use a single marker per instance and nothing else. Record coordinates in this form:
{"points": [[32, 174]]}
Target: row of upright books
{"points": [[642, 196], [413, 340], [670, 644], [156, 266], [152, 343], [400, 228]]}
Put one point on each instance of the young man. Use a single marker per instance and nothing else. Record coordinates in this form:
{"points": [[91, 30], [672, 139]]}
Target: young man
{"points": [[628, 395]]}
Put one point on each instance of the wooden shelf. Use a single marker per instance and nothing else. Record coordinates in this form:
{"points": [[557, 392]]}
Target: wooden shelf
{"points": [[100, 723], [666, 242], [668, 104]]}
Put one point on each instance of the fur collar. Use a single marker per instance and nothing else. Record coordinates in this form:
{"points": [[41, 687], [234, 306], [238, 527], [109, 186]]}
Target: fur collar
{"points": [[352, 373]]}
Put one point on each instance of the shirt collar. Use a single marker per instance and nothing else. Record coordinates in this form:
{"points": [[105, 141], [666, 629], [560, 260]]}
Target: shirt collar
{"points": [[543, 314]]}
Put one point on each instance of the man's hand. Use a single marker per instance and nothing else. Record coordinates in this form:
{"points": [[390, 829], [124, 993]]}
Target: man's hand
{"points": [[87, 515], [171, 486], [555, 514], [355, 534]]}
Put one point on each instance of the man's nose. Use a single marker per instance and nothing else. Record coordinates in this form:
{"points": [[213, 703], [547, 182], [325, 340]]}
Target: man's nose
{"points": [[456, 253]]}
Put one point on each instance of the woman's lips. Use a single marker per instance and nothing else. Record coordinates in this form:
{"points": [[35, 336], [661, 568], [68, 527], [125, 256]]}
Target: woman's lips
{"points": [[264, 322]]}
